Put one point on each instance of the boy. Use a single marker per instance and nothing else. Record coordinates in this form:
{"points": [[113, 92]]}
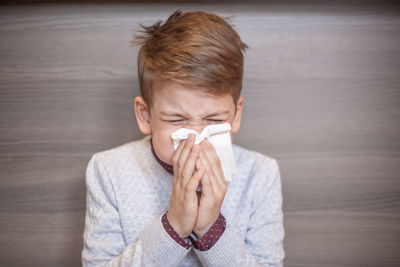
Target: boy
{"points": [[143, 208]]}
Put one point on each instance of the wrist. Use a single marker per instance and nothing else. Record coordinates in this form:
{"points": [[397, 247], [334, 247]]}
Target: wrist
{"points": [[185, 242], [211, 237], [176, 227], [200, 233]]}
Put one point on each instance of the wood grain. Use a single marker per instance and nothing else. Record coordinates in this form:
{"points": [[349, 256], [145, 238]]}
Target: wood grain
{"points": [[321, 93]]}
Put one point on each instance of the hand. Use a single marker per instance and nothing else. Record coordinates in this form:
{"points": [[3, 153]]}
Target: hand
{"points": [[183, 206], [213, 189]]}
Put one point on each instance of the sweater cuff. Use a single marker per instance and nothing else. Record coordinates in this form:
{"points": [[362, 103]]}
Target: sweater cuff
{"points": [[211, 237], [161, 248], [174, 235], [225, 252]]}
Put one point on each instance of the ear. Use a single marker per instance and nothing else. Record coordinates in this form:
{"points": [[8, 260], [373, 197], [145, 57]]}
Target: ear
{"points": [[238, 115], [142, 114]]}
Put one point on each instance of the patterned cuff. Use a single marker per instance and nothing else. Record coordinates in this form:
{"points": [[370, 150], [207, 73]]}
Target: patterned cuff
{"points": [[211, 237], [174, 235]]}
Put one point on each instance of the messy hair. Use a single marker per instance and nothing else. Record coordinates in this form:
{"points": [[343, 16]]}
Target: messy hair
{"points": [[197, 49]]}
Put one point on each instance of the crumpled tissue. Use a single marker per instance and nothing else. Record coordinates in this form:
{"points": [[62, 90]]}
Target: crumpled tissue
{"points": [[219, 137]]}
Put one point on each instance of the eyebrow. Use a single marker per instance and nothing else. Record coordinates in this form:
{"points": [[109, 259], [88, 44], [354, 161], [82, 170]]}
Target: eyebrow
{"points": [[220, 112]]}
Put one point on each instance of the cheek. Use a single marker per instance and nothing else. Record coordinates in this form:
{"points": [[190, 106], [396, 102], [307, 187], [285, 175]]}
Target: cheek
{"points": [[163, 144], [234, 125]]}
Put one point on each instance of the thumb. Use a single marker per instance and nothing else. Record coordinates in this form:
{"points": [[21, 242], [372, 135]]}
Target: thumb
{"points": [[198, 164], [206, 185]]}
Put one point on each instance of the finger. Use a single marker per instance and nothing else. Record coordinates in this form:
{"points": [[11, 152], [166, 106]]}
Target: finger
{"points": [[206, 186], [198, 163], [194, 181], [185, 152], [209, 171], [214, 161], [218, 164], [190, 163], [177, 154]]}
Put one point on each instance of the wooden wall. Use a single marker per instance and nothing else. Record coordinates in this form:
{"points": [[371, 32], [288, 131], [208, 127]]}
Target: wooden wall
{"points": [[321, 95]]}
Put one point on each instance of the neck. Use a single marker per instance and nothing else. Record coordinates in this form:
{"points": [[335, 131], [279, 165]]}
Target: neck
{"points": [[169, 168]]}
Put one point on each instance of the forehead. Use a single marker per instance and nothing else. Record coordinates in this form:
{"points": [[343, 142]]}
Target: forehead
{"points": [[175, 97]]}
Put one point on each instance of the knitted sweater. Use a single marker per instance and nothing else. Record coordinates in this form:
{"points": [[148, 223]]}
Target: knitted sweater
{"points": [[128, 191]]}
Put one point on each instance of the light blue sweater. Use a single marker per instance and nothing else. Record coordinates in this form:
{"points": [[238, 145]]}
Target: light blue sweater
{"points": [[128, 191]]}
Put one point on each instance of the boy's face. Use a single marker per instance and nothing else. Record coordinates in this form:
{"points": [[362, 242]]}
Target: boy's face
{"points": [[177, 106]]}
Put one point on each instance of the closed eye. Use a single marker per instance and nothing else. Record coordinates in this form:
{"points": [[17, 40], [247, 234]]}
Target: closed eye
{"points": [[176, 121], [182, 120]]}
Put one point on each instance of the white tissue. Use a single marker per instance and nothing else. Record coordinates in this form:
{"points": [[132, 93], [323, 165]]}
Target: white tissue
{"points": [[219, 137]]}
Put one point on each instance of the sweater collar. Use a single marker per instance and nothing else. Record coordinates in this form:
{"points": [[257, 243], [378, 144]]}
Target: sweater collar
{"points": [[166, 166]]}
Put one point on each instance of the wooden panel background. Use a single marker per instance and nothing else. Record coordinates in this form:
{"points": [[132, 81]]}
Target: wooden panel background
{"points": [[321, 95]]}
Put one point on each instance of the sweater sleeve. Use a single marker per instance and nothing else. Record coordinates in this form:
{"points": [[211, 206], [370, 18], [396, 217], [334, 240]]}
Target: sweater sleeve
{"points": [[263, 245], [103, 238]]}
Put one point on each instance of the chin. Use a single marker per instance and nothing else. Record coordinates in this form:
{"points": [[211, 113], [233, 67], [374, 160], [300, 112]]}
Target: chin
{"points": [[165, 158]]}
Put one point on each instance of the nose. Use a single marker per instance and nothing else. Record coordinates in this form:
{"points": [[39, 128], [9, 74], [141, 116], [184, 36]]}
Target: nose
{"points": [[197, 128]]}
